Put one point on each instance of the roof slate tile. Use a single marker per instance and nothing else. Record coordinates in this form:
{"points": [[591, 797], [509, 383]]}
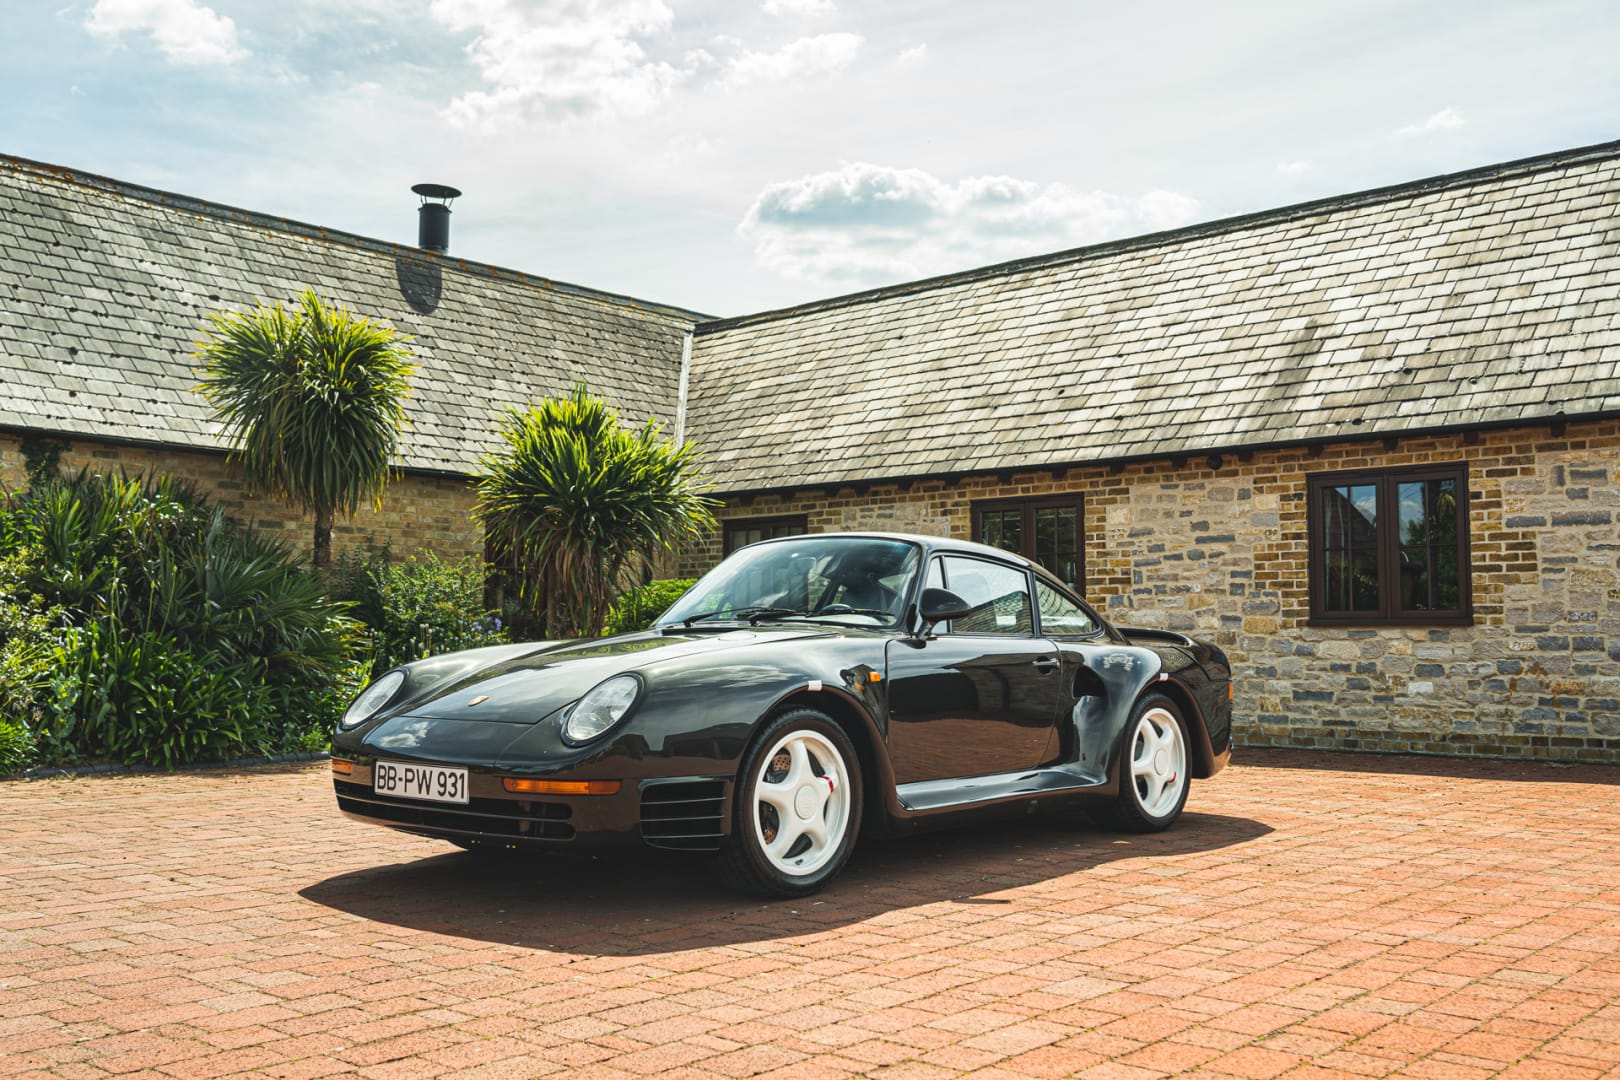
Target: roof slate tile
{"points": [[1489, 295]]}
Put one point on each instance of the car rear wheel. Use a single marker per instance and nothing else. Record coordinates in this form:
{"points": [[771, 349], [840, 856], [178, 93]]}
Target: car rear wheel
{"points": [[1153, 773], [797, 808]]}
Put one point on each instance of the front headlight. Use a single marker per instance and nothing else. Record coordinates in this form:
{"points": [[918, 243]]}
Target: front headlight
{"points": [[604, 705], [371, 699]]}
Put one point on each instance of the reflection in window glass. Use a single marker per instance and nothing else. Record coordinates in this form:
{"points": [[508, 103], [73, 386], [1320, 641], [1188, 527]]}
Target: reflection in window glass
{"points": [[1060, 616], [999, 596], [1390, 546], [1428, 514], [1349, 519]]}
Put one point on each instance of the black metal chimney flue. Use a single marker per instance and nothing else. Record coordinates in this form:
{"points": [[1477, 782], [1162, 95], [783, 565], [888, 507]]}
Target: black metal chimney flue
{"points": [[433, 217]]}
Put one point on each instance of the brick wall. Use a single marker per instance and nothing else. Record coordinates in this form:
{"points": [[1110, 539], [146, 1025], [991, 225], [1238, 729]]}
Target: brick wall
{"points": [[1220, 553], [419, 511]]}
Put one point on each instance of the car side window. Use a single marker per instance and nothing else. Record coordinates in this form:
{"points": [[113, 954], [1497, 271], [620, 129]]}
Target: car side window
{"points": [[999, 595], [1060, 616]]}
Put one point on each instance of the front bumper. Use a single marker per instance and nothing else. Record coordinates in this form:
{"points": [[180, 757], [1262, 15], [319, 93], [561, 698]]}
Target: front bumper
{"points": [[686, 813]]}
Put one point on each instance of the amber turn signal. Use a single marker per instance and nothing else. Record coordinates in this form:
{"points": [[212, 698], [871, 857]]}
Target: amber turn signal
{"points": [[342, 767], [875, 676], [560, 787]]}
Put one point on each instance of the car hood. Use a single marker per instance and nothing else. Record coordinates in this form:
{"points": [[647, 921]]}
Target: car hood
{"points": [[530, 687]]}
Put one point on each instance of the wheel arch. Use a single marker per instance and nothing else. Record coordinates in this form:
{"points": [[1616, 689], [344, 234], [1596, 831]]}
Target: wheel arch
{"points": [[1199, 747], [857, 723]]}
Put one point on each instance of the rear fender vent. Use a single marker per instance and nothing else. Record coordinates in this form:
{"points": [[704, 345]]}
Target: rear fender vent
{"points": [[683, 815]]}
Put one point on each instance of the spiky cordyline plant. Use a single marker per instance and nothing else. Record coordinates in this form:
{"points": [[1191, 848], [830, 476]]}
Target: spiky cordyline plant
{"points": [[312, 401], [578, 501]]}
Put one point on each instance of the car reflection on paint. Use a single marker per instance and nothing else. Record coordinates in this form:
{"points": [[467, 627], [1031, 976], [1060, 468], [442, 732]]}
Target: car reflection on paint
{"points": [[805, 689]]}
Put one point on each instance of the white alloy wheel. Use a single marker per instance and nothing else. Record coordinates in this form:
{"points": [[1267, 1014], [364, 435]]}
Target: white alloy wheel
{"points": [[1158, 762], [802, 803]]}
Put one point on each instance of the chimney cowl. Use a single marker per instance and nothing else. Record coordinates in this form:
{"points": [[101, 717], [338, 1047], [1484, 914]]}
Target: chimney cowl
{"points": [[433, 216]]}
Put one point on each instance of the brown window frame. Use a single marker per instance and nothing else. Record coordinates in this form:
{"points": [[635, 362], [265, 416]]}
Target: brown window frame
{"points": [[1073, 500], [767, 525], [1387, 483]]}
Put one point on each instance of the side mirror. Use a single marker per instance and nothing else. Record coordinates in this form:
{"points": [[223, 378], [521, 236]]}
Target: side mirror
{"points": [[941, 605]]}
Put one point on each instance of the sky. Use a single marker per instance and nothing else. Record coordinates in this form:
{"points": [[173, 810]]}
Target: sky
{"points": [[734, 157]]}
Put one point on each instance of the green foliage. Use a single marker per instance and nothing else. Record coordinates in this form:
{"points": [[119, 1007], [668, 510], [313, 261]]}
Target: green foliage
{"points": [[637, 607], [142, 625], [29, 628], [419, 607], [576, 502], [16, 748], [312, 401]]}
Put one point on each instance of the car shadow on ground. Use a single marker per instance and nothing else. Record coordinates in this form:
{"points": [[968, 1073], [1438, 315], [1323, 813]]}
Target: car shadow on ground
{"points": [[644, 903], [1517, 770]]}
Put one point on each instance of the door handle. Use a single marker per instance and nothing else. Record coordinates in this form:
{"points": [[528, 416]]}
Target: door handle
{"points": [[1044, 664]]}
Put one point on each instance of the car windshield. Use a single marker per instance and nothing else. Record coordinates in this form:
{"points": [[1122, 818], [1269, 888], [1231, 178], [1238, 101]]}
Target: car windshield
{"points": [[862, 581]]}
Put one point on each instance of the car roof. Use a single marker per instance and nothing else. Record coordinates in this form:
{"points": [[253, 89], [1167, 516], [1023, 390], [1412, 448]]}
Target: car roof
{"points": [[930, 543]]}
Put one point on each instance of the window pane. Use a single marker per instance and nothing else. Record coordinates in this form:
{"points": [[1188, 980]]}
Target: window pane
{"points": [[1060, 616], [1350, 547], [1447, 580], [999, 596], [1352, 581], [1415, 579], [1429, 578], [1045, 531], [1003, 529]]}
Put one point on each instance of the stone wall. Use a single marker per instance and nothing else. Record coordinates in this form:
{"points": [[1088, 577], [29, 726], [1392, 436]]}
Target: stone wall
{"points": [[419, 511], [1219, 552]]}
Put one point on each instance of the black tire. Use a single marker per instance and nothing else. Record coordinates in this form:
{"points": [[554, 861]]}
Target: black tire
{"points": [[1152, 787], [745, 859]]}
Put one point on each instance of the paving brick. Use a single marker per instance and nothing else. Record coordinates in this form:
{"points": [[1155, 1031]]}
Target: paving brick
{"points": [[1296, 925]]}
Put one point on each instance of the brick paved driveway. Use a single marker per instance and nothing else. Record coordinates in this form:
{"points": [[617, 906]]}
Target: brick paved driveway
{"points": [[1315, 915]]}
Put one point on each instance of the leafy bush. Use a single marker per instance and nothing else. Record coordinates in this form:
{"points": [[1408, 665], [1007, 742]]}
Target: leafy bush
{"points": [[29, 627], [169, 634], [636, 608], [418, 607], [16, 748]]}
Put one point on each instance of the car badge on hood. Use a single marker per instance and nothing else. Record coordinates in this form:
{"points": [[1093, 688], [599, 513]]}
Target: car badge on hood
{"points": [[480, 699]]}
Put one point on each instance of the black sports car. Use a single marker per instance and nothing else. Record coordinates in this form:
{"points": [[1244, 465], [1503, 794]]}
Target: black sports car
{"points": [[805, 688]]}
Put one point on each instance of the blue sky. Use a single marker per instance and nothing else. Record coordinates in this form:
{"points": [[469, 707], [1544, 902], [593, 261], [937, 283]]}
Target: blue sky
{"points": [[738, 156]]}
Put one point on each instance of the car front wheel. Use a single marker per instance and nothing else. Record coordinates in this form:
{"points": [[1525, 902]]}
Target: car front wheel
{"points": [[1153, 774], [797, 808]]}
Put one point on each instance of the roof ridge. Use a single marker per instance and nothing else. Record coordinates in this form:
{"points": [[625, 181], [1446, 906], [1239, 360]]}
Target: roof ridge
{"points": [[240, 216], [1525, 166]]}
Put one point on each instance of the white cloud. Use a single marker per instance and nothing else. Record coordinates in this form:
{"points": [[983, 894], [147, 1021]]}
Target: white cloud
{"points": [[865, 223], [1292, 168], [558, 58], [817, 55], [800, 7], [914, 55], [183, 30], [1446, 119]]}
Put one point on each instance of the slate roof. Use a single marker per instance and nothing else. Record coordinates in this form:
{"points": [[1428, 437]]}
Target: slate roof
{"points": [[1485, 297], [104, 287]]}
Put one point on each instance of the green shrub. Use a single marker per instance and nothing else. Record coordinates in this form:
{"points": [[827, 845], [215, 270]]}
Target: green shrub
{"points": [[636, 608], [16, 748], [421, 606], [29, 627], [168, 634]]}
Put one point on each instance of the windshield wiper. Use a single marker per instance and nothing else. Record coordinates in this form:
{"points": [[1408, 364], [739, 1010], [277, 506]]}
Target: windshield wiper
{"points": [[756, 614], [752, 614]]}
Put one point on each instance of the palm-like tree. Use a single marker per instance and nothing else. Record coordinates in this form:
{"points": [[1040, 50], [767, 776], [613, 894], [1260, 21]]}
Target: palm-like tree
{"points": [[578, 502], [312, 400]]}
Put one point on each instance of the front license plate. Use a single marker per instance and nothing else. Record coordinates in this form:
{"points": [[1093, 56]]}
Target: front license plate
{"points": [[435, 783]]}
